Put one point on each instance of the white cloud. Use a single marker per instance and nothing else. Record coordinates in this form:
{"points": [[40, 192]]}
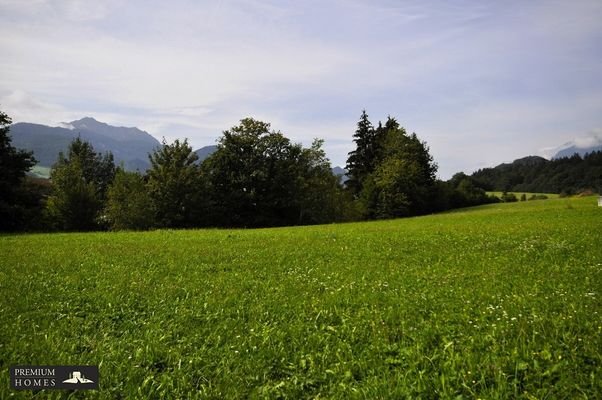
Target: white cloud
{"points": [[60, 10], [481, 83], [23, 107], [592, 139]]}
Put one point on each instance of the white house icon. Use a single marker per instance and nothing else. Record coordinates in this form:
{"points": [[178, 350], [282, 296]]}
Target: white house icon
{"points": [[77, 377]]}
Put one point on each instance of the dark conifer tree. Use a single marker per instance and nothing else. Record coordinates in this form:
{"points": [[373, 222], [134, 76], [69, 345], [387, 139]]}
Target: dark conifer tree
{"points": [[362, 160], [14, 164], [391, 172]]}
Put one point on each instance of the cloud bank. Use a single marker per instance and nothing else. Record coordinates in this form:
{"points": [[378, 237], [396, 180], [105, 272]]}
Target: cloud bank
{"points": [[481, 82]]}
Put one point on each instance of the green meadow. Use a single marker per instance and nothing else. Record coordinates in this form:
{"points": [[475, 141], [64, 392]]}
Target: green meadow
{"points": [[494, 302]]}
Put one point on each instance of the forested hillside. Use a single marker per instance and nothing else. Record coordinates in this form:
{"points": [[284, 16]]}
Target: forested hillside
{"points": [[535, 174]]}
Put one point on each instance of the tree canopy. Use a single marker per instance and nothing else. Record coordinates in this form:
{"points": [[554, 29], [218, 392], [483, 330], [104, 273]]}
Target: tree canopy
{"points": [[128, 202], [392, 172], [257, 177], [80, 183], [174, 185], [538, 175]]}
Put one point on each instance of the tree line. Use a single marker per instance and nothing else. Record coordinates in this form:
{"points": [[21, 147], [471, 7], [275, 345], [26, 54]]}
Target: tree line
{"points": [[568, 175], [256, 177]]}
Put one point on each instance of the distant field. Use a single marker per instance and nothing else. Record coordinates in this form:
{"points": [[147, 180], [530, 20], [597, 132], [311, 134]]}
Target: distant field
{"points": [[528, 194], [495, 302]]}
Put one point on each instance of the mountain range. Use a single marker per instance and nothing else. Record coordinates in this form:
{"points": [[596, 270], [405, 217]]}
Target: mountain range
{"points": [[130, 146]]}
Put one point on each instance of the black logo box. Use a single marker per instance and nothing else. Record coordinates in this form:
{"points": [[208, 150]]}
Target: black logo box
{"points": [[37, 377]]}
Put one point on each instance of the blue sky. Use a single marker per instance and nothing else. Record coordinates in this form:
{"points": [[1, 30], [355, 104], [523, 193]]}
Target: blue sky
{"points": [[481, 82]]}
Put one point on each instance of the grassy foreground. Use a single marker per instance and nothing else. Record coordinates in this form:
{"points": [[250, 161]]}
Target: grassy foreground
{"points": [[501, 301]]}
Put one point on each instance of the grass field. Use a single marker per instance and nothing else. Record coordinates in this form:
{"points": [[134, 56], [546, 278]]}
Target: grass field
{"points": [[495, 302]]}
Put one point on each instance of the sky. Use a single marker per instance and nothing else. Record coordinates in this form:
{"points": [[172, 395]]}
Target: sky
{"points": [[482, 82]]}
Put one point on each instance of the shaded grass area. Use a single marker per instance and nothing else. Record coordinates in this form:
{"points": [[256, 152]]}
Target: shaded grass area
{"points": [[497, 301]]}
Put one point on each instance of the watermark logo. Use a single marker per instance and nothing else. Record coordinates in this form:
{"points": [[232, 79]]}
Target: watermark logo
{"points": [[38, 377], [77, 377]]}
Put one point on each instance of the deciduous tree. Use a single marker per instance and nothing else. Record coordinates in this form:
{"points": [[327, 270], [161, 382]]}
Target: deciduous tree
{"points": [[257, 177], [174, 186], [80, 182], [128, 202]]}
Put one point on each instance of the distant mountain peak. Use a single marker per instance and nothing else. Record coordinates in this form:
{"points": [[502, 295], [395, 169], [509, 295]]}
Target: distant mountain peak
{"points": [[530, 160], [86, 119], [92, 123], [582, 145], [88, 123], [130, 146]]}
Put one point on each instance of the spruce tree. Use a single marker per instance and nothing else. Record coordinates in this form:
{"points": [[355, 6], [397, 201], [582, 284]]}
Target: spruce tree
{"points": [[391, 173], [362, 160]]}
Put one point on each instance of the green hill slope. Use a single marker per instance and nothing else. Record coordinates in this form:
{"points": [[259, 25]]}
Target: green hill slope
{"points": [[499, 301]]}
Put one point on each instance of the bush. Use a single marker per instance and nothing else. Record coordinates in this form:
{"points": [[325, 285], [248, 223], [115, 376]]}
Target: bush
{"points": [[538, 197], [509, 197], [586, 193]]}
